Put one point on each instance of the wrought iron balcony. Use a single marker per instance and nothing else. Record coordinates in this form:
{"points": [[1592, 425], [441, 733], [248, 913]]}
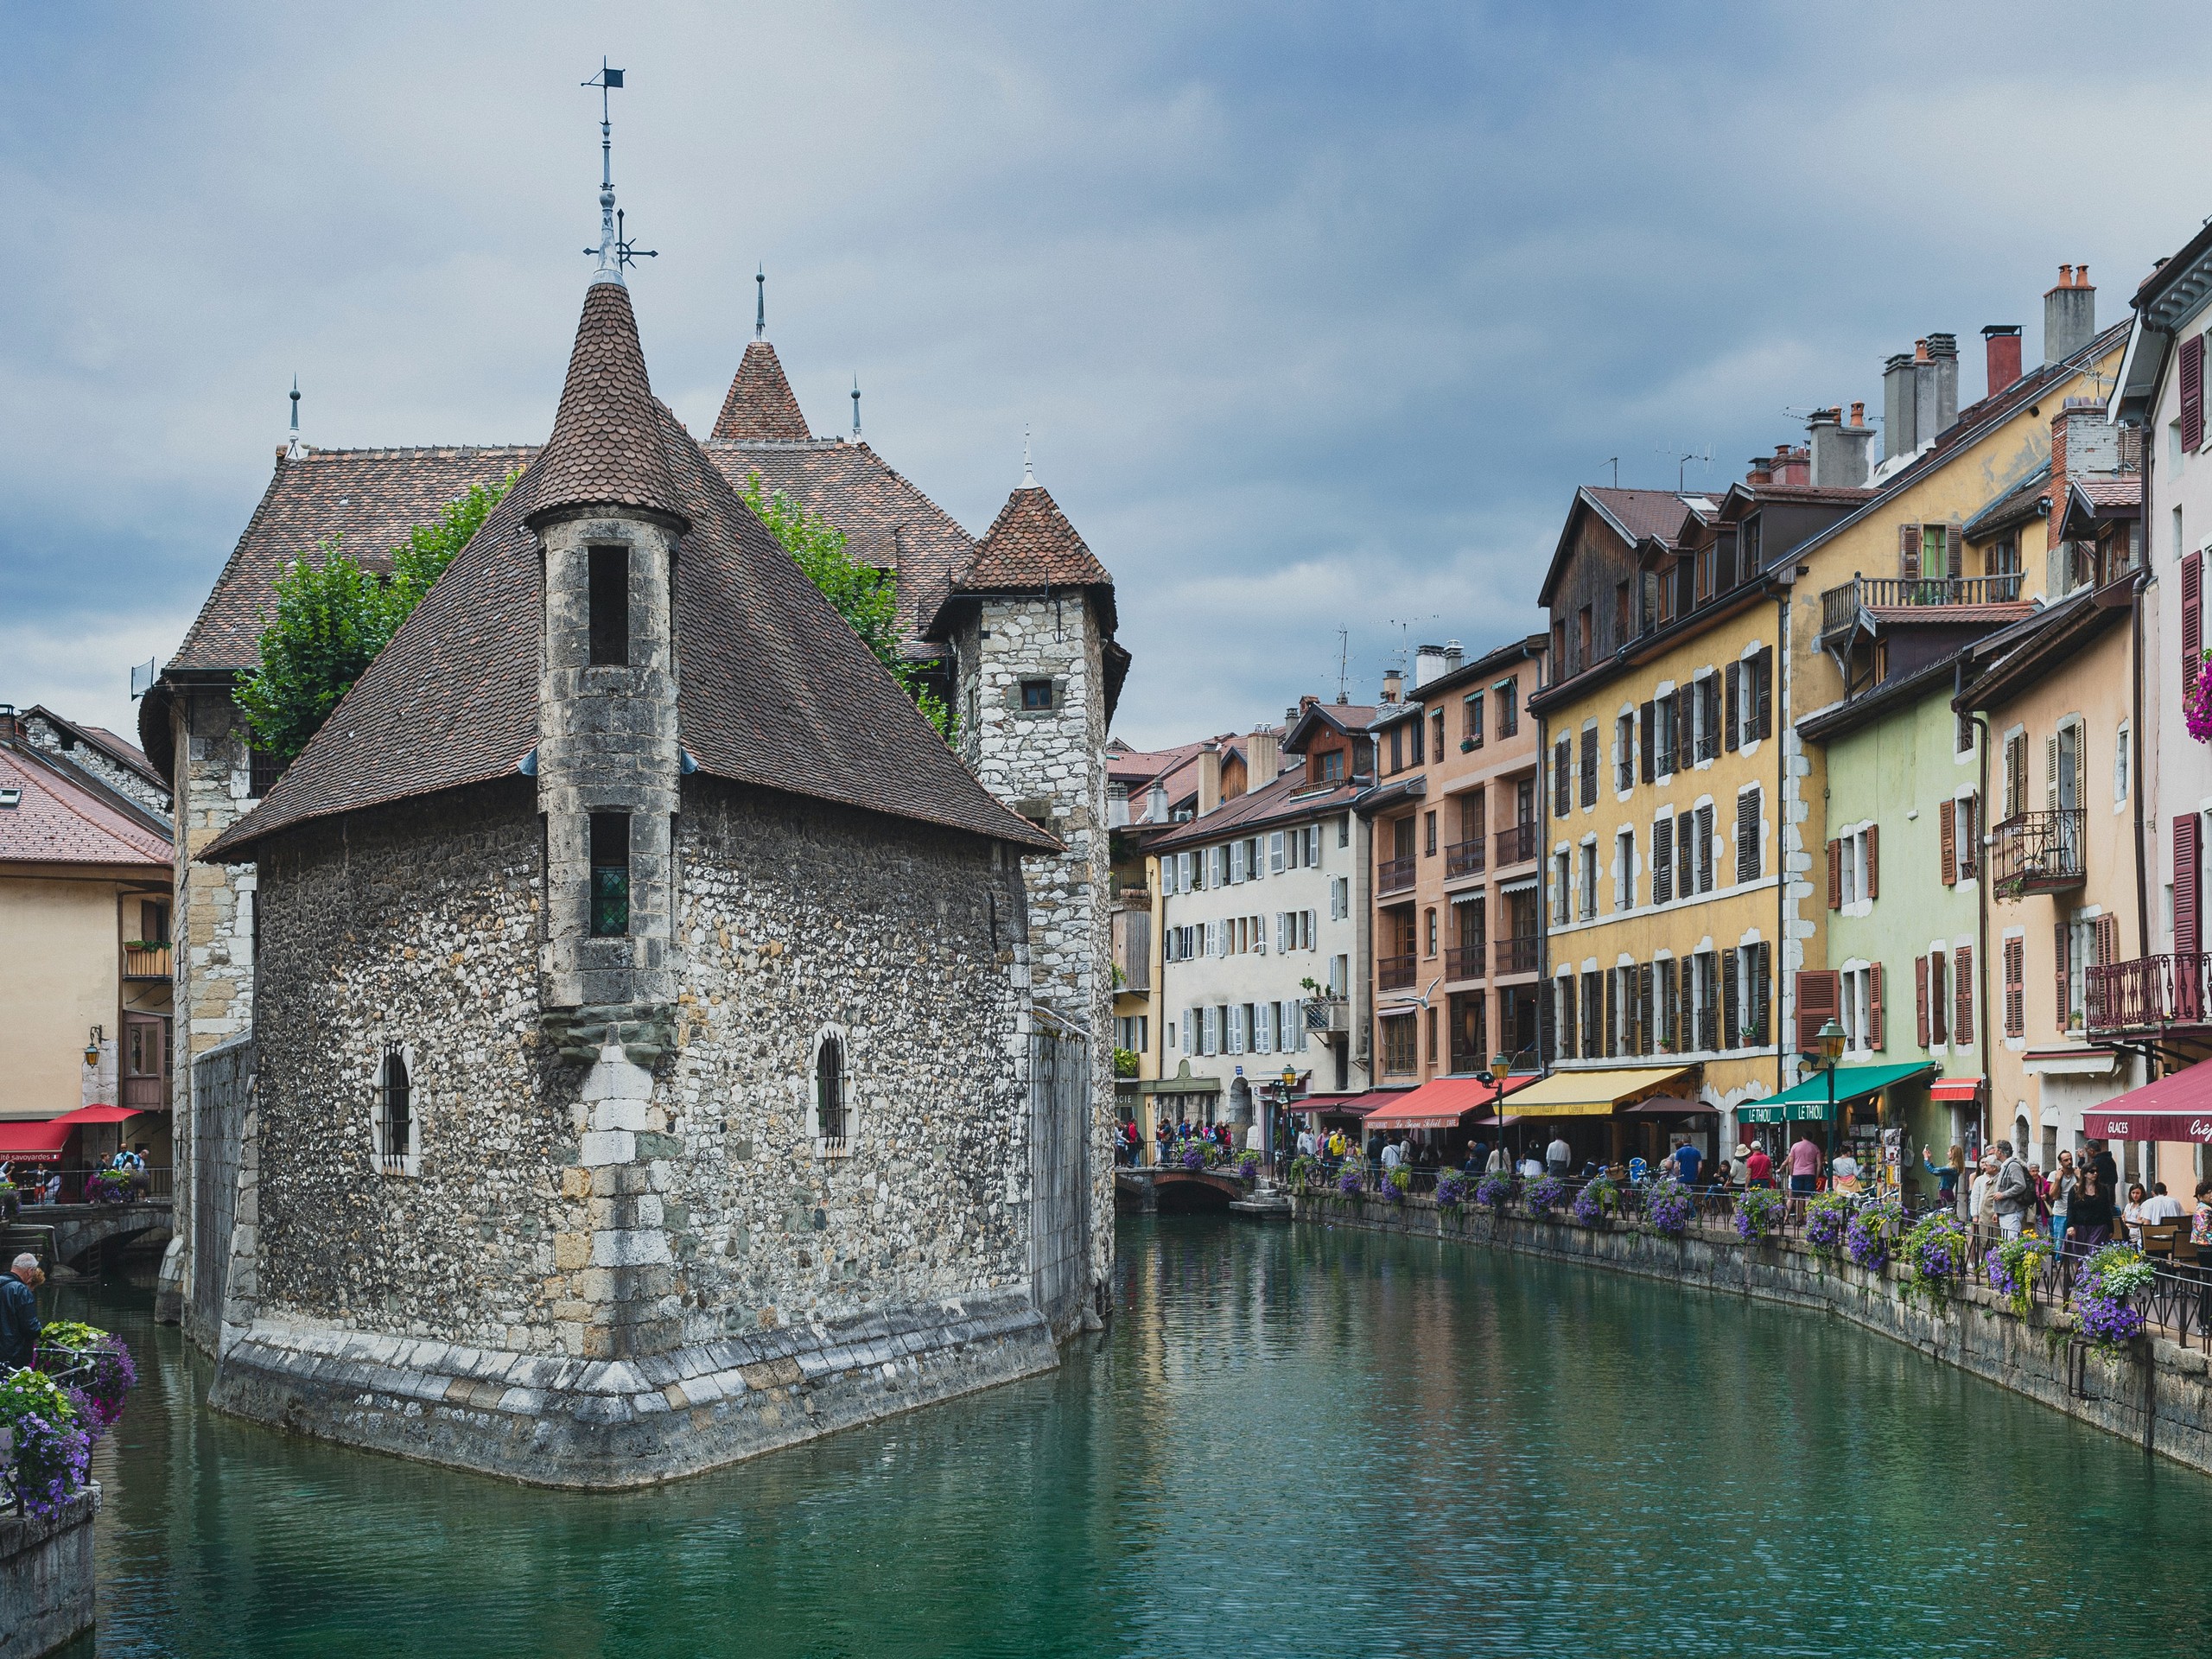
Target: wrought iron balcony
{"points": [[1394, 973], [1327, 1015], [1518, 845], [1464, 858], [1840, 607], [2036, 852], [2148, 993], [146, 962], [1518, 955], [1395, 875], [1466, 961]]}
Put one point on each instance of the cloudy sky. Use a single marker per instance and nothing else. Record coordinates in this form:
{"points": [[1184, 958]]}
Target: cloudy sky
{"points": [[1318, 314]]}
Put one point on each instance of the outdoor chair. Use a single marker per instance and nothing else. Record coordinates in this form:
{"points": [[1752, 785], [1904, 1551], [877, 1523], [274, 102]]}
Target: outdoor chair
{"points": [[2160, 1237]]}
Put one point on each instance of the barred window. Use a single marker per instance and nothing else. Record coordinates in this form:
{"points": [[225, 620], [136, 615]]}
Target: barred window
{"points": [[829, 1092]]}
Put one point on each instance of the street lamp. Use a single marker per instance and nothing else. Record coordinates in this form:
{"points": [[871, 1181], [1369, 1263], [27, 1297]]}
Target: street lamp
{"points": [[1501, 1067], [1289, 1084], [1830, 1040]]}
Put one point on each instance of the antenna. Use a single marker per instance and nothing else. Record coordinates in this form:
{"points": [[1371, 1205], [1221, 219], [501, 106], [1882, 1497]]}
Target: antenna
{"points": [[1682, 465], [760, 303], [614, 250], [1614, 461], [1344, 659]]}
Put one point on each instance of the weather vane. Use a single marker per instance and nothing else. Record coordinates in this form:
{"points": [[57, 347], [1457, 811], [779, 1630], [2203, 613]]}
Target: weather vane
{"points": [[614, 250]]}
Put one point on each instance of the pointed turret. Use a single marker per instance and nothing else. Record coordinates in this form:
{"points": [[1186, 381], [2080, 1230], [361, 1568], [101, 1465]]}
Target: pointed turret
{"points": [[606, 450], [1031, 544], [760, 407]]}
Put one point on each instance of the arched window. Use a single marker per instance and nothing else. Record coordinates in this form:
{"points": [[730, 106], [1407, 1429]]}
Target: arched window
{"points": [[830, 1091], [395, 1121]]}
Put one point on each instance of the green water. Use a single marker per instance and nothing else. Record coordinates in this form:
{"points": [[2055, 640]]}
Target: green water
{"points": [[1308, 1442]]}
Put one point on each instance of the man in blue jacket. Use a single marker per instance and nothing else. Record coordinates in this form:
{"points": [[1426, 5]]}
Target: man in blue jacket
{"points": [[19, 1323]]}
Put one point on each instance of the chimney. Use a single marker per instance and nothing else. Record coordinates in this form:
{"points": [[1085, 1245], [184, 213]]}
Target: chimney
{"points": [[2070, 314], [2002, 340], [1117, 806], [1944, 352], [1791, 466], [1900, 433], [1262, 758], [1209, 779], [1762, 471], [1156, 811], [1429, 662], [1394, 685], [11, 728]]}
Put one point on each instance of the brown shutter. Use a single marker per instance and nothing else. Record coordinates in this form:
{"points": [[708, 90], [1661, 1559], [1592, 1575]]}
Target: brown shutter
{"points": [[1908, 552], [1762, 995], [1645, 1023], [2108, 940], [1685, 872], [1612, 1012], [1705, 848], [2192, 615], [1645, 740], [1836, 875], [1685, 729], [1662, 861], [1817, 994], [1729, 1023], [1764, 673], [1747, 836], [1879, 1036], [1920, 999], [1873, 860], [1939, 1016], [2062, 967], [2192, 393], [1963, 994], [2015, 973], [1735, 709], [2189, 937], [1946, 827]]}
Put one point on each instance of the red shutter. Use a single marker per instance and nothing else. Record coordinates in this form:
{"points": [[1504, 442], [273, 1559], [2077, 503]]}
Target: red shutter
{"points": [[2015, 973], [1946, 828], [2108, 940], [2061, 967], [1836, 875], [2192, 393], [1908, 552], [2192, 617], [1881, 1036], [1963, 994], [1920, 998], [2189, 937], [1817, 991], [1873, 860]]}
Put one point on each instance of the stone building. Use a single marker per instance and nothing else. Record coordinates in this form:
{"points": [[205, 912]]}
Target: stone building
{"points": [[644, 1071]]}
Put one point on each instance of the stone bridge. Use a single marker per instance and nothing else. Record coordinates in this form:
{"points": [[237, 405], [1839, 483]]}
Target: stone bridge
{"points": [[82, 1236], [1173, 1192]]}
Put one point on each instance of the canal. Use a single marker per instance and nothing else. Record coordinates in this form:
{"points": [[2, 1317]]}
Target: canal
{"points": [[1290, 1442]]}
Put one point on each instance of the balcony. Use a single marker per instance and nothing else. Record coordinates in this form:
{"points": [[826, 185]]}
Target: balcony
{"points": [[1518, 955], [2036, 852], [146, 1094], [2150, 994], [1518, 845], [1466, 961], [1841, 608], [1394, 973], [1464, 858], [1395, 875], [141, 961], [1328, 1015]]}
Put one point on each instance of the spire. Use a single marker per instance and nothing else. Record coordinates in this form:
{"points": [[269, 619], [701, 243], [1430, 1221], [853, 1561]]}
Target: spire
{"points": [[857, 408], [758, 407], [607, 448], [614, 250], [292, 448], [760, 303], [1028, 478]]}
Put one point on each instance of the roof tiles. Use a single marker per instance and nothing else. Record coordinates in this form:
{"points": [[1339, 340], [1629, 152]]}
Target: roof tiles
{"points": [[607, 448], [759, 406], [58, 820]]}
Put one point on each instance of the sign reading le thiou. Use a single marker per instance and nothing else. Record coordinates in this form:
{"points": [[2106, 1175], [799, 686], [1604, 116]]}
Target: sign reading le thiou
{"points": [[2148, 1126]]}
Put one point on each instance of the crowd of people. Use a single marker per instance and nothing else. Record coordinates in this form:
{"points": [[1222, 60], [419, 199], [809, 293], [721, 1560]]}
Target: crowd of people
{"points": [[45, 1183]]}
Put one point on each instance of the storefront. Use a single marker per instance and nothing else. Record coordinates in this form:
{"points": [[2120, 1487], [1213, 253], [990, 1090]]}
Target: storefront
{"points": [[1848, 1108], [1594, 1112], [1441, 1116]]}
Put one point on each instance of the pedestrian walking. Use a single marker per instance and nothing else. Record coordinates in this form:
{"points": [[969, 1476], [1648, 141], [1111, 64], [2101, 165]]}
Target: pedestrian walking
{"points": [[19, 1321], [1759, 1168], [2063, 1180], [2013, 1197], [1688, 1161], [1804, 1167]]}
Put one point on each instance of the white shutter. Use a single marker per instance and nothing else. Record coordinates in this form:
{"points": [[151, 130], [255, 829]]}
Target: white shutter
{"points": [[1282, 931], [1275, 851], [1312, 918], [1293, 1026], [1263, 1028], [1260, 936], [1339, 897], [1183, 871]]}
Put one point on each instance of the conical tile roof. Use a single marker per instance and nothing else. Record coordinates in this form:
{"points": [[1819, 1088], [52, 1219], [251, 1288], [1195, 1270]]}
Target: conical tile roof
{"points": [[606, 450], [1030, 545], [760, 407]]}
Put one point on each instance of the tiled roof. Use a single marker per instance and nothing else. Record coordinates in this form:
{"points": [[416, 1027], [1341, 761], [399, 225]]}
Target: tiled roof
{"points": [[2110, 489], [1142, 765], [777, 691], [366, 500], [607, 448], [888, 521], [1030, 545], [1288, 799], [759, 406], [1949, 616], [1645, 512], [2017, 506], [61, 820]]}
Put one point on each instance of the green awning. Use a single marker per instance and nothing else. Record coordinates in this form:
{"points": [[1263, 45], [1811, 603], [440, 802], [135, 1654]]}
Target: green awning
{"points": [[1775, 1110], [1851, 1082]]}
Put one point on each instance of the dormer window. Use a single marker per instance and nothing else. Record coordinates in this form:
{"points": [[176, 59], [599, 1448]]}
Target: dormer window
{"points": [[610, 608]]}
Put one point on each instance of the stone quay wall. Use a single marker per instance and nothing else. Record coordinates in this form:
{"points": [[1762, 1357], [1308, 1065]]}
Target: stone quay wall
{"points": [[46, 1577], [2157, 1395]]}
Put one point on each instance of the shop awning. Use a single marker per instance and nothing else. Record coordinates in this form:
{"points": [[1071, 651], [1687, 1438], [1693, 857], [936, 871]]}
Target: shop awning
{"points": [[1775, 1111], [1594, 1094], [100, 1115], [33, 1142], [1851, 1082], [1441, 1104], [1958, 1089], [2177, 1107]]}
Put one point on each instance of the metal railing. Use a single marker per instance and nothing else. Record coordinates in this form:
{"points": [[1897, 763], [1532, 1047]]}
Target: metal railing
{"points": [[147, 962], [2148, 993], [2037, 852], [1464, 858], [1840, 607], [1394, 973], [1517, 844], [1518, 955], [1325, 1014], [1466, 961], [31, 1181], [1395, 875]]}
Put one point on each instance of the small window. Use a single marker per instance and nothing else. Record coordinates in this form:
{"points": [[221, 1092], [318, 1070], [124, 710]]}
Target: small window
{"points": [[1036, 694], [830, 1091], [610, 607], [395, 1114], [610, 874], [1332, 766], [262, 771]]}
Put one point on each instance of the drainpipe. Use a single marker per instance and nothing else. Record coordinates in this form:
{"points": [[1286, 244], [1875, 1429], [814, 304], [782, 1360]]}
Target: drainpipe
{"points": [[1981, 879], [1544, 799], [2135, 762]]}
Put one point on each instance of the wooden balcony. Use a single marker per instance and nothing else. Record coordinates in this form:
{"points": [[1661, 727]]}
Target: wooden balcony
{"points": [[1466, 961], [1518, 845], [1395, 875], [2150, 994], [1465, 858], [1841, 607], [1518, 955], [146, 962], [1394, 973], [2037, 852]]}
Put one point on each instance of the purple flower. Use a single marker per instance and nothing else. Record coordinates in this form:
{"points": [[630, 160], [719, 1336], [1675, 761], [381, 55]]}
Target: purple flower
{"points": [[1669, 1208], [1867, 1239], [1351, 1181], [1546, 1193], [1597, 1199], [1496, 1190], [1450, 1189]]}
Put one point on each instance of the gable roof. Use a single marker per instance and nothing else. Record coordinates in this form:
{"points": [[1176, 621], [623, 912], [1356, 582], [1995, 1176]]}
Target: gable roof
{"points": [[1030, 546], [126, 755], [63, 819], [1635, 516], [1287, 799], [776, 691], [1347, 718], [758, 408]]}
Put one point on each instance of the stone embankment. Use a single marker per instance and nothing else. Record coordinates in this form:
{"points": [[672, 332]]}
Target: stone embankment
{"points": [[2154, 1392], [46, 1577]]}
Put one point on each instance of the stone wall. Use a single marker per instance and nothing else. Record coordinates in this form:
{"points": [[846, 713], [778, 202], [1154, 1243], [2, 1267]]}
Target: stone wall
{"points": [[221, 1091], [50, 739], [2159, 1395], [45, 1577]]}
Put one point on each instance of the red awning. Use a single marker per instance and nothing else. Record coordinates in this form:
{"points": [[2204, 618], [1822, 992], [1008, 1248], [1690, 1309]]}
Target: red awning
{"points": [[2176, 1108], [22, 1142], [100, 1115], [1352, 1105], [1441, 1104], [1965, 1089]]}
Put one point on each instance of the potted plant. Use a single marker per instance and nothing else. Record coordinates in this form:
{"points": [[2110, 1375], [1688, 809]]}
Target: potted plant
{"points": [[2102, 1314], [1670, 1207], [1759, 1211], [1599, 1198]]}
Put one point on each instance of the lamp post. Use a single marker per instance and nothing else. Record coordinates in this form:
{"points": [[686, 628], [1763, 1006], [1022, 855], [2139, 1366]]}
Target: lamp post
{"points": [[1831, 1040], [1289, 1084], [1501, 1067]]}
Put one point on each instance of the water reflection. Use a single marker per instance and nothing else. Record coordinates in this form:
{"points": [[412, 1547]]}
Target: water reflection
{"points": [[1291, 1442]]}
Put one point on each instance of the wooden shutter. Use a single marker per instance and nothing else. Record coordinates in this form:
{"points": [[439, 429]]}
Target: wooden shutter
{"points": [[2015, 973], [1734, 715], [1747, 836], [1645, 738], [1908, 552], [1836, 875], [2188, 936], [1647, 1020], [1685, 729], [1764, 674], [1920, 999], [2192, 393], [1562, 781], [1873, 860], [1613, 1012], [2062, 969], [2050, 773], [1662, 861], [1685, 875], [1818, 991], [2108, 940], [1962, 994], [1762, 995], [1939, 1013], [1946, 828], [2192, 614], [1878, 1033], [1730, 1024], [1705, 848]]}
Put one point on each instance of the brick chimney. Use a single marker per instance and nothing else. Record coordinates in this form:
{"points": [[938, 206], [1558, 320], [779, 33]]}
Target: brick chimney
{"points": [[1900, 429], [2002, 342], [1791, 466], [2070, 314], [1394, 685], [1762, 471]]}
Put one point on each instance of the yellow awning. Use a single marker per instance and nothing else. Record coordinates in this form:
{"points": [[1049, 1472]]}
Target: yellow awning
{"points": [[1592, 1094]]}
